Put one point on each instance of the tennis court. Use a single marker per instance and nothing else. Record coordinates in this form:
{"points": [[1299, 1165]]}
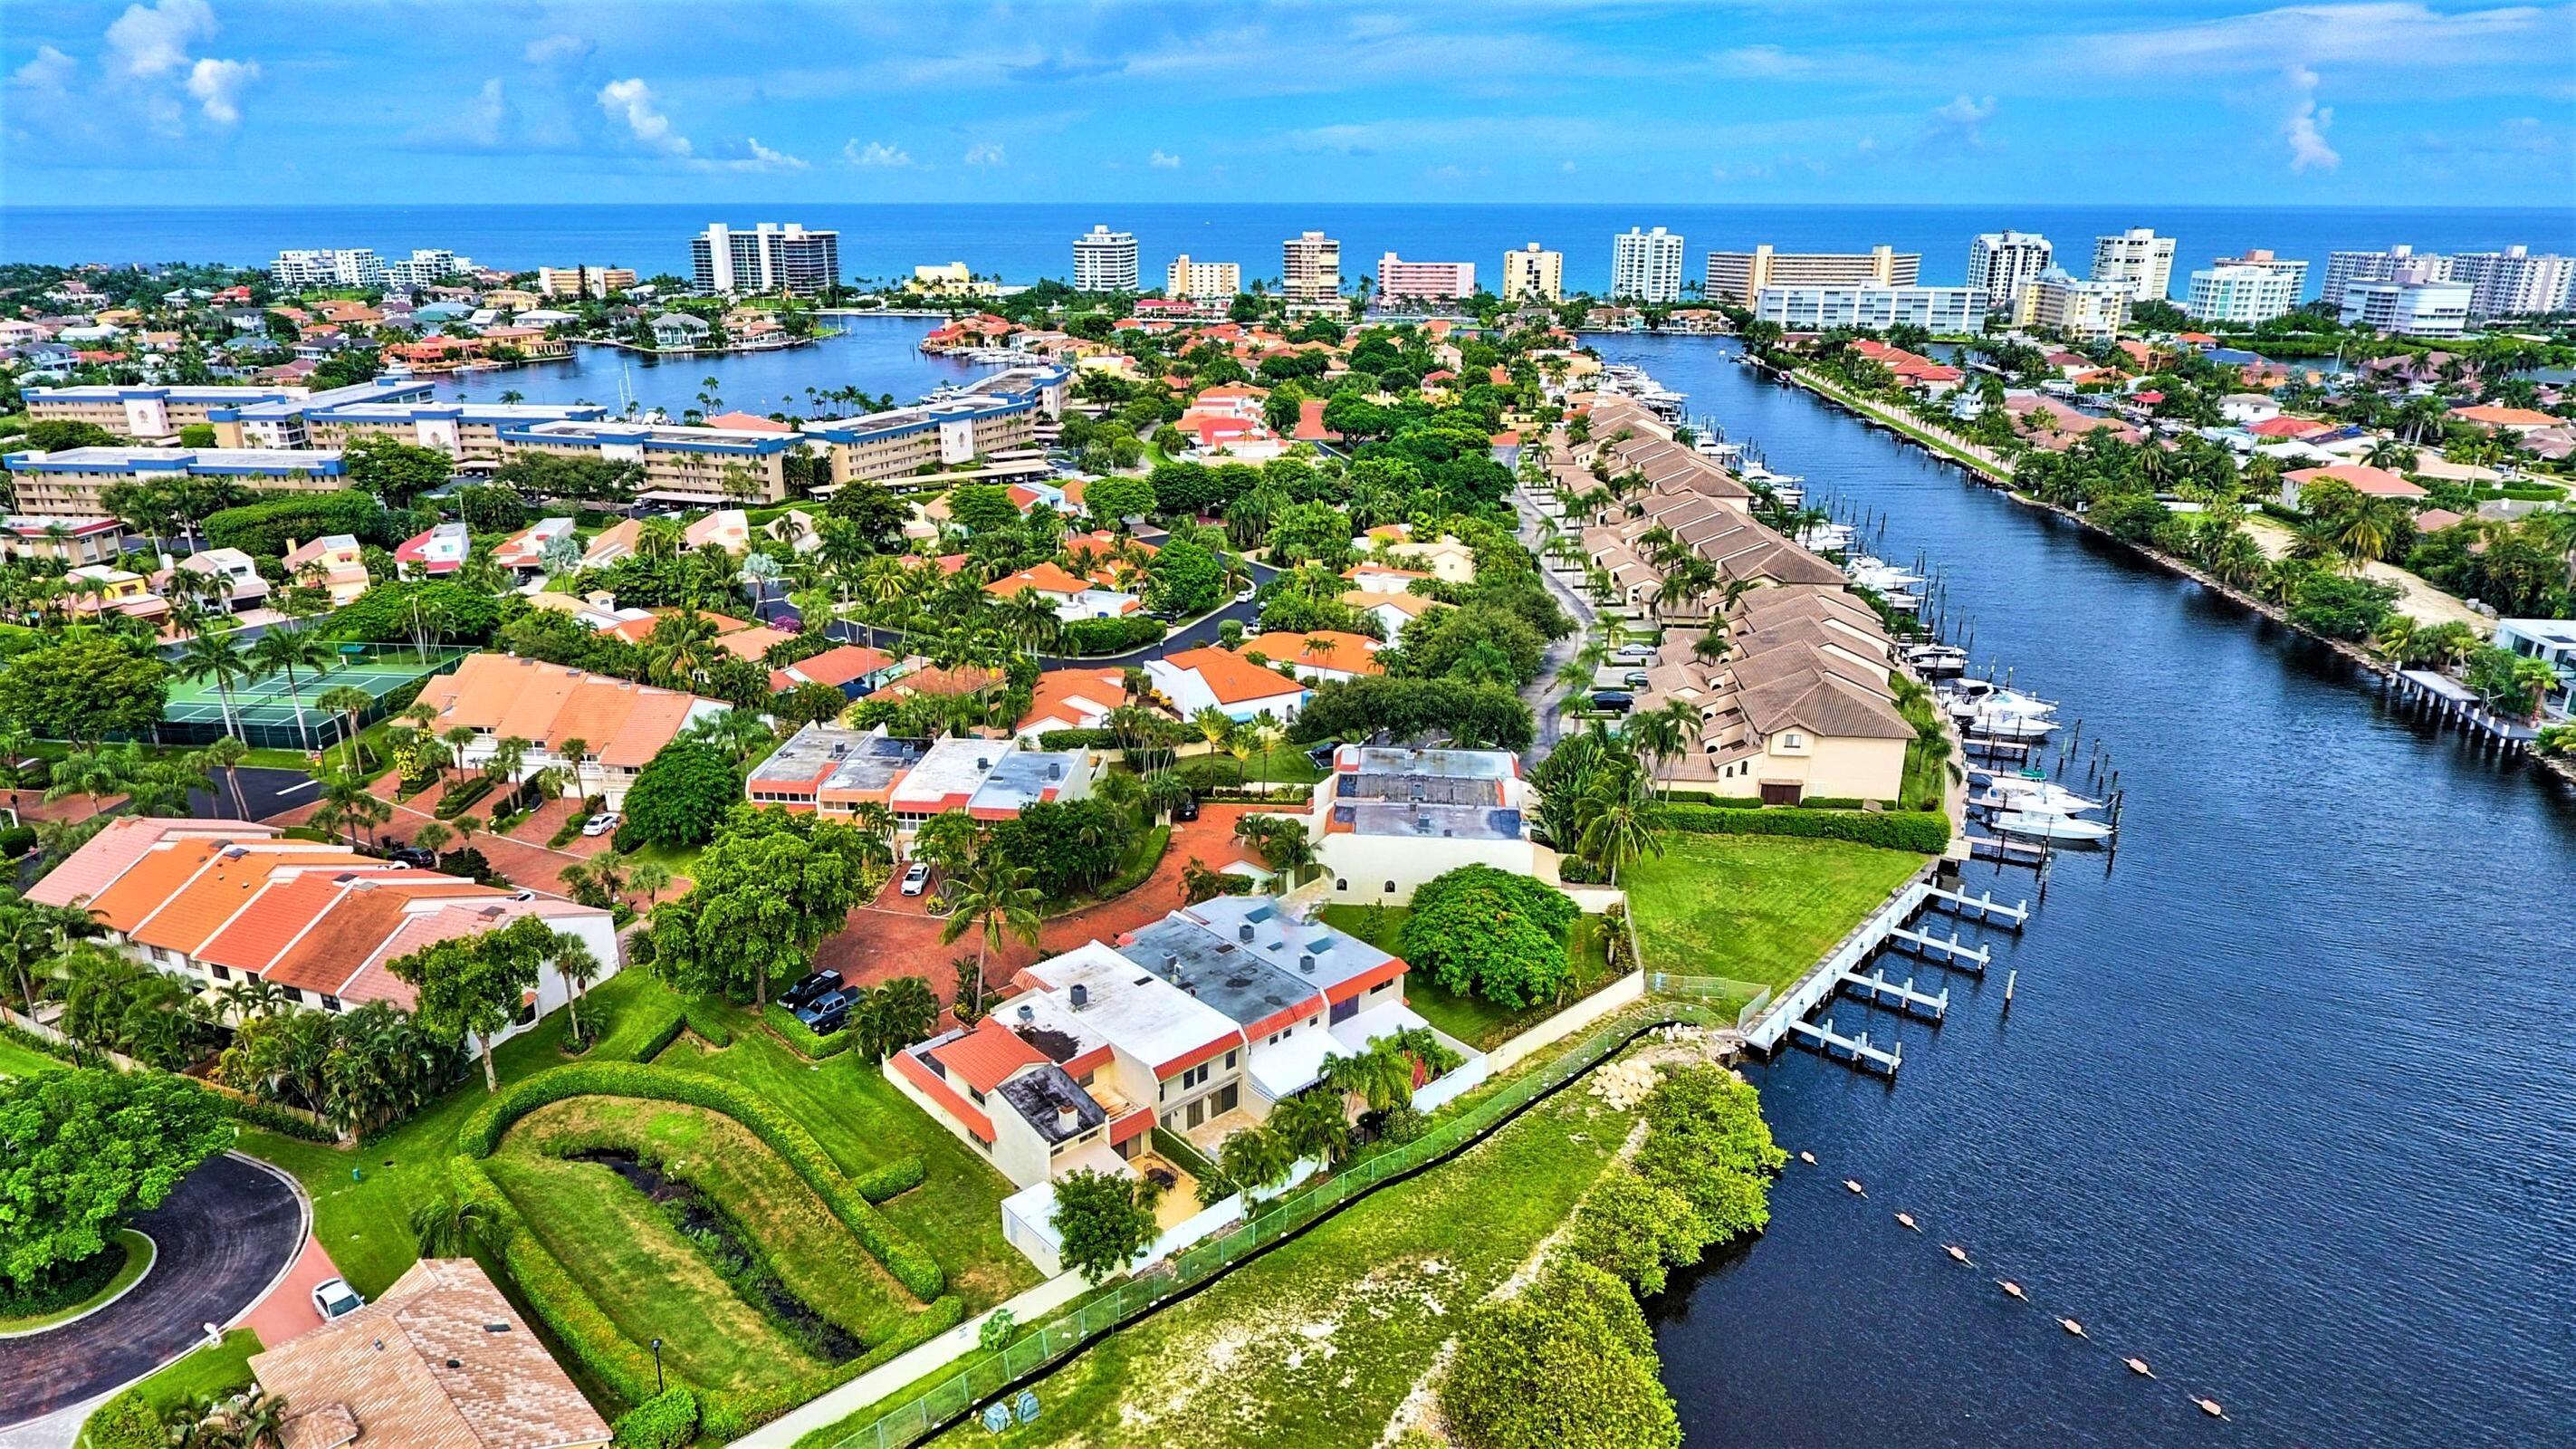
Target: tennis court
{"points": [[263, 711]]}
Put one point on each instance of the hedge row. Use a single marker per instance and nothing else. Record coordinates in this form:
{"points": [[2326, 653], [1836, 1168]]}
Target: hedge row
{"points": [[1740, 802], [1076, 740], [240, 1108], [911, 1265], [626, 1367], [706, 1016], [1922, 831], [1159, 840], [801, 1037], [668, 1420], [641, 1029]]}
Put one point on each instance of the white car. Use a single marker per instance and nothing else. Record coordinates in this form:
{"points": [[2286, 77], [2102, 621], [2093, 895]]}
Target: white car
{"points": [[1244, 595], [600, 824], [917, 879], [334, 1298]]}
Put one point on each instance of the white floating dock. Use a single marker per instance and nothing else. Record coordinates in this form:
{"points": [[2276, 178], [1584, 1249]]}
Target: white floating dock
{"points": [[1902, 996], [1985, 907], [1950, 951], [1853, 1049]]}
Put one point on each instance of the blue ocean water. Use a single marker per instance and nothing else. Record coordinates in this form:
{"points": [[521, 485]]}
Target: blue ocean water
{"points": [[1026, 242]]}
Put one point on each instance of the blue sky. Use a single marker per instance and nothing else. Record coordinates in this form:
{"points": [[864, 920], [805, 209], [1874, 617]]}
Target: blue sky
{"points": [[389, 101]]}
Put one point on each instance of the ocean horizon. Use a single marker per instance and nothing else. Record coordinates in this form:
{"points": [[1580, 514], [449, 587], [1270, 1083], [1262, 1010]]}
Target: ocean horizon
{"points": [[1028, 242]]}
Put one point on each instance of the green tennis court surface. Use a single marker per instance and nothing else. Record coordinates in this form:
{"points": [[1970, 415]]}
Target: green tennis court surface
{"points": [[262, 709]]}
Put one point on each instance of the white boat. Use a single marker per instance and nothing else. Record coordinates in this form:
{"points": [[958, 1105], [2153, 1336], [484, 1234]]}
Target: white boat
{"points": [[1937, 661], [2005, 724], [1886, 578], [2034, 797], [1825, 537], [2065, 829], [1964, 694]]}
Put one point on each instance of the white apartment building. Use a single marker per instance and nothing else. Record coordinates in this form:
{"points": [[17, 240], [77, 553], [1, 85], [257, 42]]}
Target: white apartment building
{"points": [[1187, 278], [2255, 287], [2411, 309], [1311, 267], [1104, 261], [2399, 263], [2137, 259], [1948, 311], [2055, 302], [2001, 263], [427, 267], [768, 258], [1646, 266], [1446, 281], [1740, 276], [347, 267], [1531, 272], [2514, 283]]}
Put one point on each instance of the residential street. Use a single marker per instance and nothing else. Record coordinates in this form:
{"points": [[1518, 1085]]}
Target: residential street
{"points": [[1542, 693]]}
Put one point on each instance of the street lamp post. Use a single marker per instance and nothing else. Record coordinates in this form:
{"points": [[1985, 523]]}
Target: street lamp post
{"points": [[657, 1366]]}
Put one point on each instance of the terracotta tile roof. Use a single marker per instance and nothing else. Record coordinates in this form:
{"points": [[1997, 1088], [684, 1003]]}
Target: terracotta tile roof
{"points": [[2366, 480], [439, 1361], [1349, 652], [152, 880], [838, 666], [1046, 578], [331, 953], [625, 723], [748, 423], [1414, 605], [753, 642], [1230, 677], [987, 1056], [216, 894], [125, 841], [1061, 694]]}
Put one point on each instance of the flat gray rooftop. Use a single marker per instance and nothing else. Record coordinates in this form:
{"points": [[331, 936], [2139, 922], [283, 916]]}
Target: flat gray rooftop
{"points": [[1246, 958], [1431, 821], [838, 759]]}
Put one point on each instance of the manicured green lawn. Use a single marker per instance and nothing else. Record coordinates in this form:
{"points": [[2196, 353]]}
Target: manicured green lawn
{"points": [[1479, 1023], [364, 1223], [1279, 766], [1318, 1342], [138, 1257], [1754, 908], [644, 1276], [23, 1061], [202, 1373], [861, 1120], [811, 1250]]}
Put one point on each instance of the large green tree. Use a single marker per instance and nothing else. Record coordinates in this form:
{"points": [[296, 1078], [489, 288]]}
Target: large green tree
{"points": [[768, 891], [83, 688], [1103, 1219], [683, 793], [80, 1150], [473, 985], [1498, 935], [1568, 1360], [395, 471]]}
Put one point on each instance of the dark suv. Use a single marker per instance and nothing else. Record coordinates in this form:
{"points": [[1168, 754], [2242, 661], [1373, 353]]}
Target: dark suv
{"points": [[812, 987], [829, 1012]]}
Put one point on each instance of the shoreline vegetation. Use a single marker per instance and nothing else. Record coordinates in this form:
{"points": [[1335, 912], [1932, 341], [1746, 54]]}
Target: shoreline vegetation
{"points": [[1988, 474]]}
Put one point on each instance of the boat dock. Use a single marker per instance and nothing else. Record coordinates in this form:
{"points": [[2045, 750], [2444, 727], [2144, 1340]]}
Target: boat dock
{"points": [[2008, 852], [1951, 952], [1853, 1049], [2443, 698], [1988, 911], [1900, 996]]}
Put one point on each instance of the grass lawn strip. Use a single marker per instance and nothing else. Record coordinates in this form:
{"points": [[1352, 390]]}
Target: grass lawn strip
{"points": [[24, 1061], [779, 1218], [640, 1272], [1477, 1022], [139, 1253], [1755, 908], [363, 1221], [1320, 1341], [861, 1120]]}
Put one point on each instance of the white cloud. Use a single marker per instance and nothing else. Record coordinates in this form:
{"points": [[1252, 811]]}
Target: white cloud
{"points": [[632, 103], [217, 86], [153, 41], [50, 73], [2392, 35], [1566, 166], [985, 153], [1762, 62], [1164, 161], [552, 49], [1960, 125], [762, 158], [2306, 126], [874, 153], [486, 118]]}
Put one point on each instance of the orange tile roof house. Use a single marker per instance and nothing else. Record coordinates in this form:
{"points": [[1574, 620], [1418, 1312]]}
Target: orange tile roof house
{"points": [[620, 723], [440, 1361], [2367, 481], [217, 901], [853, 669], [1196, 679], [1322, 654]]}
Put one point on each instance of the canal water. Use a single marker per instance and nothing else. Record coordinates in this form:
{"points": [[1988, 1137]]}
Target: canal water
{"points": [[878, 354], [2282, 1104]]}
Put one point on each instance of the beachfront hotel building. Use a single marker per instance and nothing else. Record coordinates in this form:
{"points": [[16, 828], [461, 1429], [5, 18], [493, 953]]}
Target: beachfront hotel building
{"points": [[359, 267], [1104, 261], [768, 258], [2408, 309], [1531, 272], [1311, 267], [69, 482], [1945, 311], [1443, 281], [997, 415], [2001, 263], [2054, 302], [2255, 287], [2514, 283], [584, 281], [2138, 260], [1646, 266], [1187, 278], [1741, 276]]}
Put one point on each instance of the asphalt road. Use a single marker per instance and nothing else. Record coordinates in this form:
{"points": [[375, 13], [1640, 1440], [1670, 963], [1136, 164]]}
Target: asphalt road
{"points": [[228, 1231], [1544, 694], [267, 791]]}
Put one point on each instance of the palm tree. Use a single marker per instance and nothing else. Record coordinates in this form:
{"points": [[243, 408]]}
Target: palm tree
{"points": [[1253, 1159], [284, 651], [97, 773], [1664, 734], [1378, 1077], [351, 803], [899, 1013], [449, 1226], [1312, 1124], [212, 656], [348, 702], [1617, 829], [996, 900], [457, 738], [578, 967]]}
